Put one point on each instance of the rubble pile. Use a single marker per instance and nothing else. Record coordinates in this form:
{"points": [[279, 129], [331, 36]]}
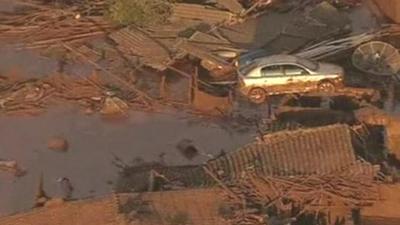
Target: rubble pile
{"points": [[294, 197], [34, 96], [287, 174], [298, 175], [41, 27]]}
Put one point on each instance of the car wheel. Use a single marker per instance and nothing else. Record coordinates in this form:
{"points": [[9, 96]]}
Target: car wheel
{"points": [[257, 95], [326, 86]]}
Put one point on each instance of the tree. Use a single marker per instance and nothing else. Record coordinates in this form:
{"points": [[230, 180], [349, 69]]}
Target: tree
{"points": [[139, 12]]}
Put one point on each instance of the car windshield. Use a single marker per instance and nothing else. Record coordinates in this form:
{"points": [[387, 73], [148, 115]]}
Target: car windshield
{"points": [[244, 70], [308, 63], [250, 57]]}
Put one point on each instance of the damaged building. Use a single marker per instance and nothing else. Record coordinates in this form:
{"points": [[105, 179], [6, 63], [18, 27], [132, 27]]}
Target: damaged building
{"points": [[313, 156]]}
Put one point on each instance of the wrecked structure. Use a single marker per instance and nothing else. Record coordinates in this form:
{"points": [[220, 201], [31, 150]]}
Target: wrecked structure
{"points": [[286, 171], [289, 153], [292, 174], [314, 173]]}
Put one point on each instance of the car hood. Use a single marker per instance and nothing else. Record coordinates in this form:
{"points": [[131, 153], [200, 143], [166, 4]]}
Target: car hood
{"points": [[327, 68]]}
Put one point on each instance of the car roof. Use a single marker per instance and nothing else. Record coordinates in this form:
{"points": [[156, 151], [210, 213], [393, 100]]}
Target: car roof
{"points": [[278, 59]]}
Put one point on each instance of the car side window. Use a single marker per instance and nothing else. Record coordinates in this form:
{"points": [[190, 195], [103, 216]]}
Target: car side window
{"points": [[293, 70], [272, 71]]}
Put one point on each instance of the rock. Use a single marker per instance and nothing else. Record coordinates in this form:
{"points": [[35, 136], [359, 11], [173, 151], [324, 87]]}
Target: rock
{"points": [[58, 144], [114, 105], [54, 202], [187, 149], [9, 164], [41, 202]]}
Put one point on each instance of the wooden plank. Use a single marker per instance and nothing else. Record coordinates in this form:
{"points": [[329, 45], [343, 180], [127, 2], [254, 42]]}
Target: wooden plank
{"points": [[200, 12], [231, 5]]}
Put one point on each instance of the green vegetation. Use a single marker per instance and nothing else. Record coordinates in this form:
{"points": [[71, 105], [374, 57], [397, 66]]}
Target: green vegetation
{"points": [[139, 12]]}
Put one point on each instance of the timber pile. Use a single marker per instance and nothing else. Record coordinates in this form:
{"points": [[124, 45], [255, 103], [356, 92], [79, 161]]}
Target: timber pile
{"points": [[41, 27], [24, 97], [92, 7], [34, 96], [299, 195]]}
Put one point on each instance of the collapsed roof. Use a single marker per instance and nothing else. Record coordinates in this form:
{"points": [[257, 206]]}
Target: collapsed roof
{"points": [[321, 150]]}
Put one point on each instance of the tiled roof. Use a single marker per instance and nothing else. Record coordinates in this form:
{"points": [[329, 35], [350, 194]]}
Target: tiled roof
{"points": [[319, 151], [98, 211]]}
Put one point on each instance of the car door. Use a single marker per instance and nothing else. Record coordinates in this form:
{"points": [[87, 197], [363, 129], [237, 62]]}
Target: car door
{"points": [[296, 76], [272, 75]]}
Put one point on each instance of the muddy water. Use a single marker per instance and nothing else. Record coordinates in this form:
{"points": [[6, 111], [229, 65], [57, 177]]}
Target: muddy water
{"points": [[93, 142], [7, 6]]}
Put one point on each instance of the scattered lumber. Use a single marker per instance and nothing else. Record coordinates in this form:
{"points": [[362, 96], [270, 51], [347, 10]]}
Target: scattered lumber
{"points": [[31, 97], [43, 26], [296, 195], [333, 47]]}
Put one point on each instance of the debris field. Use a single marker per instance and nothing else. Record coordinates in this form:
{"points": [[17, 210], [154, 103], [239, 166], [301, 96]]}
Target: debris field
{"points": [[318, 93]]}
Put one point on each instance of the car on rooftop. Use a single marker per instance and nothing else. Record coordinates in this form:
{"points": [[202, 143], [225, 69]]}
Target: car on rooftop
{"points": [[285, 74]]}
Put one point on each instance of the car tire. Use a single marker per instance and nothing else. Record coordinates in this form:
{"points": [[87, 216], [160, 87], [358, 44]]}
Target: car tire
{"points": [[326, 86], [257, 95]]}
